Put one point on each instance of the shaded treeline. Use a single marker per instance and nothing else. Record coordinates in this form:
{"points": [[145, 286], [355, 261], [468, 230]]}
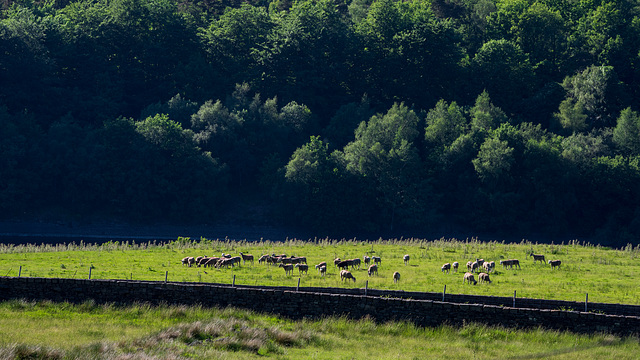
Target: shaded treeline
{"points": [[501, 116]]}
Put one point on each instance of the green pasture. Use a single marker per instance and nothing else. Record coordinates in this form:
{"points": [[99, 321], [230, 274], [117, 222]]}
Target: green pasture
{"points": [[44, 330], [606, 275]]}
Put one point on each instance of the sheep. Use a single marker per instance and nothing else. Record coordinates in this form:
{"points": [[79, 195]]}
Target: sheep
{"points": [[396, 277], [246, 257], [366, 260], [446, 268], [336, 261], [324, 263], [555, 264], [376, 260], [510, 263], [406, 259], [303, 268], [345, 274], [185, 261], [373, 269], [323, 270], [298, 260], [287, 268], [484, 277], [356, 263], [468, 277], [198, 259], [469, 265], [263, 259], [537, 258], [224, 262], [345, 264], [474, 266], [208, 262], [455, 266], [488, 266]]}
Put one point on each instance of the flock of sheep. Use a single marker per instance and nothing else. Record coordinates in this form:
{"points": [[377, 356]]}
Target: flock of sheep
{"points": [[489, 266], [289, 263]]}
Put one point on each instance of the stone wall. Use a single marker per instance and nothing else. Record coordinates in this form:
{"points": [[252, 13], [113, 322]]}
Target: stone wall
{"points": [[423, 309]]}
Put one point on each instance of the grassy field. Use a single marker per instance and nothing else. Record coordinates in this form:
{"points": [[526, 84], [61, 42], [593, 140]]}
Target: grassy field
{"points": [[43, 330], [606, 275]]}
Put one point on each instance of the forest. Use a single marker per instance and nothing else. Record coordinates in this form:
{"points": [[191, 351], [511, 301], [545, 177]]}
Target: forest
{"points": [[502, 116]]}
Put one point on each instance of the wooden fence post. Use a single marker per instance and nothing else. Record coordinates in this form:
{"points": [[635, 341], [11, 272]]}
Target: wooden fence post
{"points": [[586, 301], [20, 271], [298, 287], [166, 276], [233, 284], [90, 272], [514, 298], [444, 292]]}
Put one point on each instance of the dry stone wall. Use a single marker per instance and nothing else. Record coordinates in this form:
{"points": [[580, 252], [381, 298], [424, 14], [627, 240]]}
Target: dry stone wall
{"points": [[423, 309]]}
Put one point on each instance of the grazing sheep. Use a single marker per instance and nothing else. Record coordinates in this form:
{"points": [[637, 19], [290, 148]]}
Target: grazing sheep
{"points": [[287, 268], [345, 264], [474, 266], [366, 260], [246, 257], [212, 261], [323, 270], [396, 277], [510, 263], [303, 268], [484, 277], [376, 260], [455, 266], [263, 259], [469, 265], [356, 263], [198, 259], [185, 261], [555, 264], [345, 274], [537, 258], [446, 268], [224, 262], [373, 269], [336, 261], [468, 277], [324, 263], [489, 266], [406, 259]]}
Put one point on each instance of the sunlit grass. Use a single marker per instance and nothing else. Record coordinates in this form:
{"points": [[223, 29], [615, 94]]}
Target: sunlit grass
{"points": [[606, 275]]}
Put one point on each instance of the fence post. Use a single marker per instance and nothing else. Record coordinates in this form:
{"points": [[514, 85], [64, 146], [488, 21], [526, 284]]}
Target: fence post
{"points": [[298, 287], [366, 286], [586, 300], [20, 271], [514, 298], [166, 276], [233, 284], [444, 292]]}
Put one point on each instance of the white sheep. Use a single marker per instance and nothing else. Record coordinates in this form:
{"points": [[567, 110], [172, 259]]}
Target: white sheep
{"points": [[396, 277], [484, 277], [469, 265], [446, 268], [366, 260], [455, 266], [345, 274], [406, 259], [489, 266], [324, 263], [555, 264], [468, 277], [356, 263], [376, 260]]}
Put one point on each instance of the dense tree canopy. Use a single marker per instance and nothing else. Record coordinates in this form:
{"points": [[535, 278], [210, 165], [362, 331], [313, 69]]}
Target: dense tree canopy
{"points": [[513, 116]]}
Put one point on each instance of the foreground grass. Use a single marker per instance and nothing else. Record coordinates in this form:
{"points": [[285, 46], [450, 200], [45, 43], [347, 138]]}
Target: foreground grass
{"points": [[606, 275], [44, 330]]}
